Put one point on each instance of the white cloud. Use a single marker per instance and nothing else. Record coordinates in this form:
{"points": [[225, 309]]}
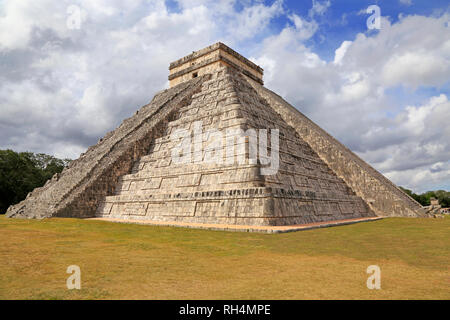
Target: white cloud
{"points": [[406, 2], [319, 8], [423, 179], [417, 68], [340, 52], [302, 28], [253, 19]]}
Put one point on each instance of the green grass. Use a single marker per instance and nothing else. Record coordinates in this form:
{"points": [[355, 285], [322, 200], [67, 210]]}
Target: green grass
{"points": [[125, 261]]}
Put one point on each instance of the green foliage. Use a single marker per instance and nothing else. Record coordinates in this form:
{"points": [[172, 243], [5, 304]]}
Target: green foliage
{"points": [[20, 173], [424, 198]]}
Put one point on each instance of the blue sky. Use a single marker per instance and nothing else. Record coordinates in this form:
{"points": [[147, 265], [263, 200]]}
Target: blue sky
{"points": [[384, 93], [343, 20]]}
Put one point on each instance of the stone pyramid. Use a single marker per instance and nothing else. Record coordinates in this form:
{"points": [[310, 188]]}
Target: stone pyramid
{"points": [[218, 147]]}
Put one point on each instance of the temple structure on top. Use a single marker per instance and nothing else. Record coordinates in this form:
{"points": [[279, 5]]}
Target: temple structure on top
{"points": [[133, 173], [209, 59]]}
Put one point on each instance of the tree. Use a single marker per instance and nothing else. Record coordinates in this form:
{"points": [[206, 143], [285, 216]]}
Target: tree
{"points": [[443, 197], [424, 198], [21, 173]]}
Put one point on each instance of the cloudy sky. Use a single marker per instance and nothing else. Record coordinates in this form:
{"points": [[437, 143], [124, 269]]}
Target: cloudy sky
{"points": [[72, 70]]}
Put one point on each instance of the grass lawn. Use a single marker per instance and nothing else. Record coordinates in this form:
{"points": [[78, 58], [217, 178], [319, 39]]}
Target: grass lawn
{"points": [[125, 261]]}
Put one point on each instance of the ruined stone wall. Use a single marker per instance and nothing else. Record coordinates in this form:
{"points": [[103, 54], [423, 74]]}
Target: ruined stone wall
{"points": [[78, 190], [383, 197]]}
